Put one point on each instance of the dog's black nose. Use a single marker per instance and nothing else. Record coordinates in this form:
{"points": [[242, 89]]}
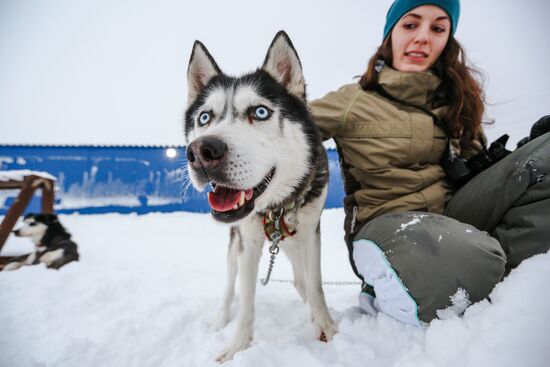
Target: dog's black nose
{"points": [[213, 148], [206, 152], [190, 155], [16, 232]]}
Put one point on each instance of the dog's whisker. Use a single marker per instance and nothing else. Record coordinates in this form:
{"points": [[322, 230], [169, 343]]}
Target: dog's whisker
{"points": [[182, 174], [186, 185]]}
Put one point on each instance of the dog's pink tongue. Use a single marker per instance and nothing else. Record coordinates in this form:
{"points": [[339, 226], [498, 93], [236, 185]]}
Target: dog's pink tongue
{"points": [[224, 199]]}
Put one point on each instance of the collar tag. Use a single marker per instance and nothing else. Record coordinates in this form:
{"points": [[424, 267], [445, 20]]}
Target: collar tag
{"points": [[275, 227]]}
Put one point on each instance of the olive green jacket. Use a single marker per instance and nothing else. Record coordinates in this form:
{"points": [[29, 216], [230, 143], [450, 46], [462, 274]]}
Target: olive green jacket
{"points": [[389, 152]]}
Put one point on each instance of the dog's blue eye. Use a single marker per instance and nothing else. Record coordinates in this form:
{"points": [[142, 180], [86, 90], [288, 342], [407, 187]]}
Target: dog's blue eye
{"points": [[204, 118], [262, 113]]}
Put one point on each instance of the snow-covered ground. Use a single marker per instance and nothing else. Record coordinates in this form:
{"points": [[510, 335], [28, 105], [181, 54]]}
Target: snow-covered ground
{"points": [[19, 175], [147, 288]]}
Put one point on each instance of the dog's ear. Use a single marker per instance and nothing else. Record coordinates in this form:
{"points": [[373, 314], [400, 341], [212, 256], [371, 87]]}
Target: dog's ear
{"points": [[48, 219], [283, 64], [202, 68], [52, 218]]}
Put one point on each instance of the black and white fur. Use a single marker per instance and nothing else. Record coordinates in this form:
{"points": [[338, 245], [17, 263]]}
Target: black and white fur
{"points": [[54, 246], [254, 134]]}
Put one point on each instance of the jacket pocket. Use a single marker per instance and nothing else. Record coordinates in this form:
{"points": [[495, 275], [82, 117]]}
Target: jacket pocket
{"points": [[379, 129]]}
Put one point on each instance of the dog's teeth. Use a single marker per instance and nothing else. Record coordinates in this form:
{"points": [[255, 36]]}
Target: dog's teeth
{"points": [[241, 200], [236, 207]]}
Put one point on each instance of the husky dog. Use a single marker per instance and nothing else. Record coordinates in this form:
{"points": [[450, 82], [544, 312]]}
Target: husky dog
{"points": [[252, 139], [54, 246]]}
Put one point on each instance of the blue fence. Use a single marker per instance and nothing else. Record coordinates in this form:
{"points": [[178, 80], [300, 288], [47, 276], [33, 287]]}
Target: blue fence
{"points": [[121, 179]]}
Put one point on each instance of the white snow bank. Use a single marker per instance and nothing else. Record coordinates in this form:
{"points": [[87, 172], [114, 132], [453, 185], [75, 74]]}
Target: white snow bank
{"points": [[147, 287], [19, 175]]}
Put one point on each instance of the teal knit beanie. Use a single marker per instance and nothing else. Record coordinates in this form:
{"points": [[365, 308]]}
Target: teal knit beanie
{"points": [[400, 7]]}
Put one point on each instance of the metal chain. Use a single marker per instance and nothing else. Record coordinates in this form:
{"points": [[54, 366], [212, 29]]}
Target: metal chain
{"points": [[275, 238], [328, 282], [273, 250], [265, 280], [335, 282]]}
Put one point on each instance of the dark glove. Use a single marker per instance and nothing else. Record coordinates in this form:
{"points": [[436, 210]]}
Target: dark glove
{"points": [[541, 127], [485, 159], [459, 170]]}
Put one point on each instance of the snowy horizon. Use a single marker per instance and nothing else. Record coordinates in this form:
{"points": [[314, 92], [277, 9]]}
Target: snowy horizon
{"points": [[103, 72]]}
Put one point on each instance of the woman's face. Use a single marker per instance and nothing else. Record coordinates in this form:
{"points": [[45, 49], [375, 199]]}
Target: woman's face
{"points": [[419, 37]]}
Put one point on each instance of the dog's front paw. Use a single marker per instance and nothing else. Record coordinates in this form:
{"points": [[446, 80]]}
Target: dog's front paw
{"points": [[326, 332], [238, 345]]}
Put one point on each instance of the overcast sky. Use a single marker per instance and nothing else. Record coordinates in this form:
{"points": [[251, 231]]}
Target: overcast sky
{"points": [[114, 72]]}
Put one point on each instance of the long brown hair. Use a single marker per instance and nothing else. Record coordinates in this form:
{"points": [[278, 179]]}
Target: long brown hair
{"points": [[460, 90]]}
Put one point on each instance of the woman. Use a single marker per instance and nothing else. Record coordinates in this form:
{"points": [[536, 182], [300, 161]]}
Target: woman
{"points": [[401, 132]]}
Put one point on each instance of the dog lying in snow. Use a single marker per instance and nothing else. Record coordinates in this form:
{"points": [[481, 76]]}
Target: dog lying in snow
{"points": [[252, 139], [54, 246]]}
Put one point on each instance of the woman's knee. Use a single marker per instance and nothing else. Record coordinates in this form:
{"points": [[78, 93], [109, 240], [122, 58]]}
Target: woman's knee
{"points": [[416, 261]]}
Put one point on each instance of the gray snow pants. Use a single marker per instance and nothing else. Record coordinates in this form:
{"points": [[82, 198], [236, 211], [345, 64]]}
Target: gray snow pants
{"points": [[413, 263]]}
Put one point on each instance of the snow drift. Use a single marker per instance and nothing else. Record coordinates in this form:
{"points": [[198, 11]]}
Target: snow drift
{"points": [[147, 287]]}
